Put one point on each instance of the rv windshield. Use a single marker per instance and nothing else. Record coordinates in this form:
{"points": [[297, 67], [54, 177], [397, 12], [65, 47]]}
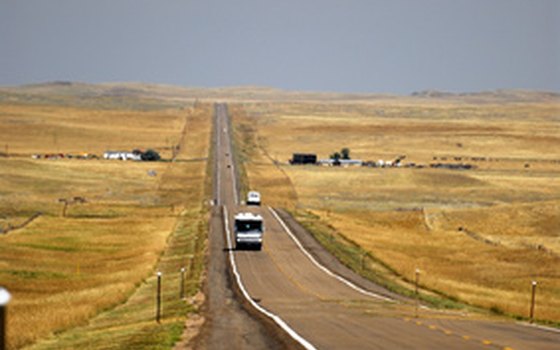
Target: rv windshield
{"points": [[247, 226]]}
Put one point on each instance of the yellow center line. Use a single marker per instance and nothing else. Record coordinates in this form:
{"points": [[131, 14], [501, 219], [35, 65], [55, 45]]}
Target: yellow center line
{"points": [[448, 332]]}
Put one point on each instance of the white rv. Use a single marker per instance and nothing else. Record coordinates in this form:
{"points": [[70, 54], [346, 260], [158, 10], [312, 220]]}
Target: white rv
{"points": [[253, 198], [248, 229]]}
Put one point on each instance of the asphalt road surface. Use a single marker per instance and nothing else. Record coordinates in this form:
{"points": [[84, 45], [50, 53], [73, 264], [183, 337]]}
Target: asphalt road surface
{"points": [[285, 297]]}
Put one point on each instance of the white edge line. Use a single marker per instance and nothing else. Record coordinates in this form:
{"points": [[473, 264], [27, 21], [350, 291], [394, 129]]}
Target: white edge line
{"points": [[538, 326], [275, 318], [324, 269], [350, 284]]}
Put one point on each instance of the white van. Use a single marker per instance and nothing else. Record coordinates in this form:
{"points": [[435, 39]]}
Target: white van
{"points": [[253, 198]]}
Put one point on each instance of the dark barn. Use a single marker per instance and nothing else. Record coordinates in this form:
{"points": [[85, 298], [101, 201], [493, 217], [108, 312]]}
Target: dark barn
{"points": [[303, 158]]}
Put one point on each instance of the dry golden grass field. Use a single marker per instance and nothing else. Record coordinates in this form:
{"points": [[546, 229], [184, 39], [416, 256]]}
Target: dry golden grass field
{"points": [[478, 236], [63, 271]]}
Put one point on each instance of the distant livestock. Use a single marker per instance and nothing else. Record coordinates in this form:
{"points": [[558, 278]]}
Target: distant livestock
{"points": [[452, 166], [54, 156]]}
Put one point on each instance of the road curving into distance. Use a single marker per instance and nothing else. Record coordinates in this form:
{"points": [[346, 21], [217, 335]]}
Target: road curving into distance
{"points": [[285, 297]]}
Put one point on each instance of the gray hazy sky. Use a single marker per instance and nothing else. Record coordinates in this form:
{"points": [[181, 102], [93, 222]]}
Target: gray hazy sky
{"points": [[392, 46]]}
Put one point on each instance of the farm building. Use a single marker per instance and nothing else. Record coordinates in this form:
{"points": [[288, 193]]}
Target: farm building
{"points": [[303, 158], [120, 155], [340, 162]]}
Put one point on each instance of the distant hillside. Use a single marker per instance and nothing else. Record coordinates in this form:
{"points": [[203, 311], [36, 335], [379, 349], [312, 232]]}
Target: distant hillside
{"points": [[83, 95], [152, 96], [492, 96], [176, 93]]}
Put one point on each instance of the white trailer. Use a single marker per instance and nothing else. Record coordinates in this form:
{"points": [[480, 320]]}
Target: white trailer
{"points": [[248, 229]]}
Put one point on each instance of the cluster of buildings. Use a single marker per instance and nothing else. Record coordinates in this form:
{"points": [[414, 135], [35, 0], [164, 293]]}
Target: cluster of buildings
{"points": [[398, 162], [310, 158], [109, 155]]}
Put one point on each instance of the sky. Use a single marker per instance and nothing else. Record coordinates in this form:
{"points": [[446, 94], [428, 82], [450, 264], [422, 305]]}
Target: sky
{"points": [[393, 46]]}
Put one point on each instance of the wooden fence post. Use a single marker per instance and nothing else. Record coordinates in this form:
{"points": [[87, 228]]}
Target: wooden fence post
{"points": [[182, 286], [532, 310], [158, 298]]}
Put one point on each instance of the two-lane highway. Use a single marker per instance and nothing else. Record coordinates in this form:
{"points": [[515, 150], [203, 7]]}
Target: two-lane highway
{"points": [[321, 310], [227, 324]]}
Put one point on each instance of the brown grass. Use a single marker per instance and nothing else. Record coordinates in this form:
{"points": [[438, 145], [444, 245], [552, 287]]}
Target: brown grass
{"points": [[52, 129], [62, 271], [478, 236]]}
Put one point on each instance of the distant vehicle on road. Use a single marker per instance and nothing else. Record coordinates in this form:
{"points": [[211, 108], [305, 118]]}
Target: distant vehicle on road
{"points": [[248, 229], [253, 198]]}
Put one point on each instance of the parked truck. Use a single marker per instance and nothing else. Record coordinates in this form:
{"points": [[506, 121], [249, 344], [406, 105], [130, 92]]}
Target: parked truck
{"points": [[248, 230]]}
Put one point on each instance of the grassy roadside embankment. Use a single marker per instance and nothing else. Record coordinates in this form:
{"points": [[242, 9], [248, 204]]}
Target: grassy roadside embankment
{"points": [[78, 270]]}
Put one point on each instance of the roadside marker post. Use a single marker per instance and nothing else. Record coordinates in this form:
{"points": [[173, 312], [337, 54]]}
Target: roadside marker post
{"points": [[158, 298], [182, 286], [4, 300], [532, 311]]}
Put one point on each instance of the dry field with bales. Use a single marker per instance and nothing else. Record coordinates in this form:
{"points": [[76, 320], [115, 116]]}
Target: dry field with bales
{"points": [[478, 236], [125, 219]]}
